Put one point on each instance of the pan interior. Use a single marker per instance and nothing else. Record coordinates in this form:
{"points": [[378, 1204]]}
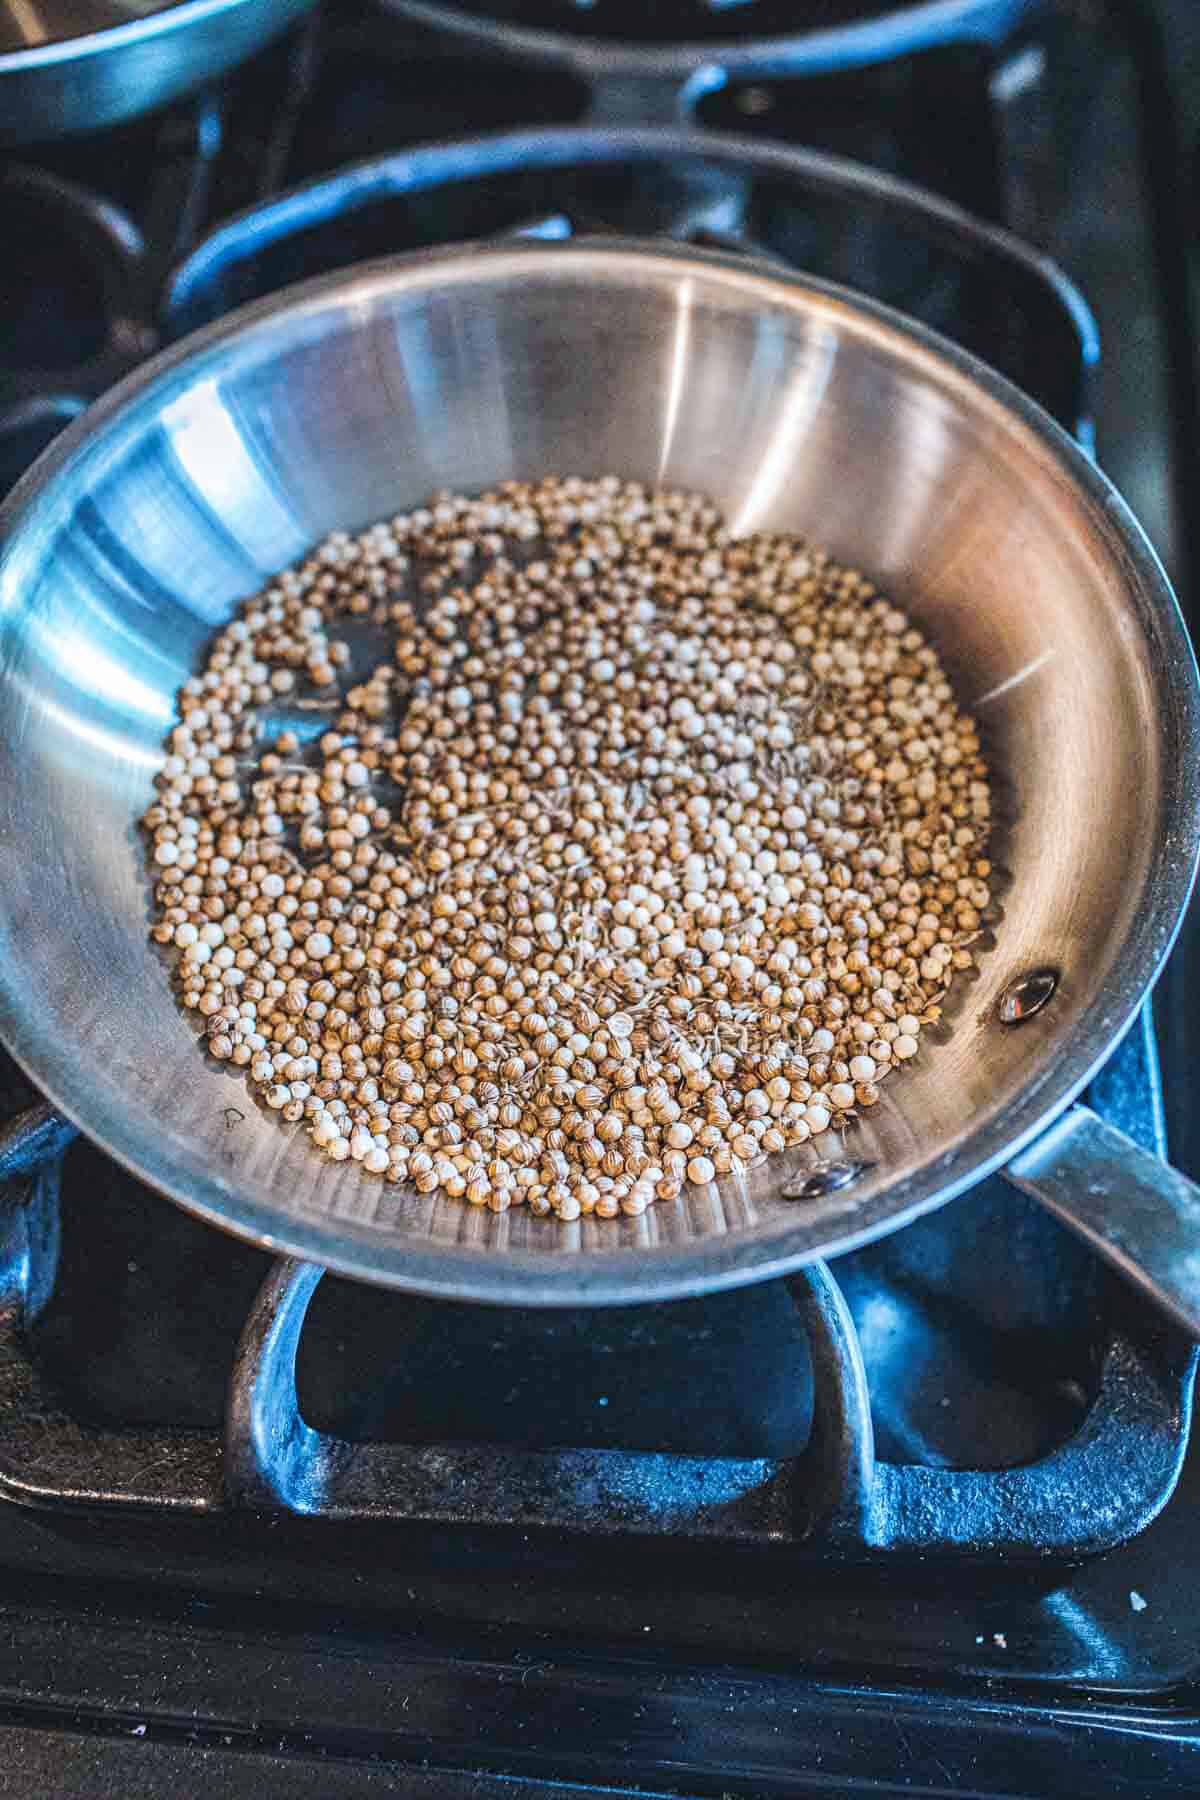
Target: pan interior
{"points": [[796, 410]]}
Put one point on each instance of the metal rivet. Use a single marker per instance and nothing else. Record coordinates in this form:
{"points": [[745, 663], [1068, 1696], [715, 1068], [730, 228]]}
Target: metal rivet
{"points": [[1027, 995], [827, 1180]]}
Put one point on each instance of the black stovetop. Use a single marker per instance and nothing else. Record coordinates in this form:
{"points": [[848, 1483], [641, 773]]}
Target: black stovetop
{"points": [[191, 1647]]}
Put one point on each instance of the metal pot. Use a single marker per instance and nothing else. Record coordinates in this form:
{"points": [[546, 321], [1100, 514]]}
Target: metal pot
{"points": [[798, 408], [79, 65]]}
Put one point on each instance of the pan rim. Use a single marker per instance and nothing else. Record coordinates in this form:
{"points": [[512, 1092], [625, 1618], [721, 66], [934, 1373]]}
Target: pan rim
{"points": [[658, 1272], [172, 16]]}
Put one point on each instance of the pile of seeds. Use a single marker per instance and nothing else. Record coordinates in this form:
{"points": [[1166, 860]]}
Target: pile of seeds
{"points": [[647, 852]]}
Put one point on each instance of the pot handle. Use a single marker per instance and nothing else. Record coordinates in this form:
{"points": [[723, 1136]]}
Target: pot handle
{"points": [[1138, 1212]]}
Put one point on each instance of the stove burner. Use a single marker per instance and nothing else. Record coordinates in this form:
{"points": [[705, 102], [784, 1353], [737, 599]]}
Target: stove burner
{"points": [[410, 97], [894, 117], [68, 294], [65, 281], [42, 262]]}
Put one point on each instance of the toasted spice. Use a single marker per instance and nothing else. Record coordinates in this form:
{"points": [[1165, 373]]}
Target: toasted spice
{"points": [[646, 851]]}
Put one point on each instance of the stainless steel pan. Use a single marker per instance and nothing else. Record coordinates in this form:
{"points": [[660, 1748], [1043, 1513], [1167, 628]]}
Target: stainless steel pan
{"points": [[78, 65], [797, 407]]}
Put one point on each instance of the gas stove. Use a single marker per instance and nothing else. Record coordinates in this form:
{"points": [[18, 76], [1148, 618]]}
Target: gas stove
{"points": [[920, 1522]]}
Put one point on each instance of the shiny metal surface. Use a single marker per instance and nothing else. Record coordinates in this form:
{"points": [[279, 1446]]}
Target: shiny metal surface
{"points": [[77, 65], [797, 408]]}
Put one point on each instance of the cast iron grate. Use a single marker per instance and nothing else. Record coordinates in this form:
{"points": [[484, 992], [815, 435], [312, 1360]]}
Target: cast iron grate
{"points": [[834, 1498]]}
